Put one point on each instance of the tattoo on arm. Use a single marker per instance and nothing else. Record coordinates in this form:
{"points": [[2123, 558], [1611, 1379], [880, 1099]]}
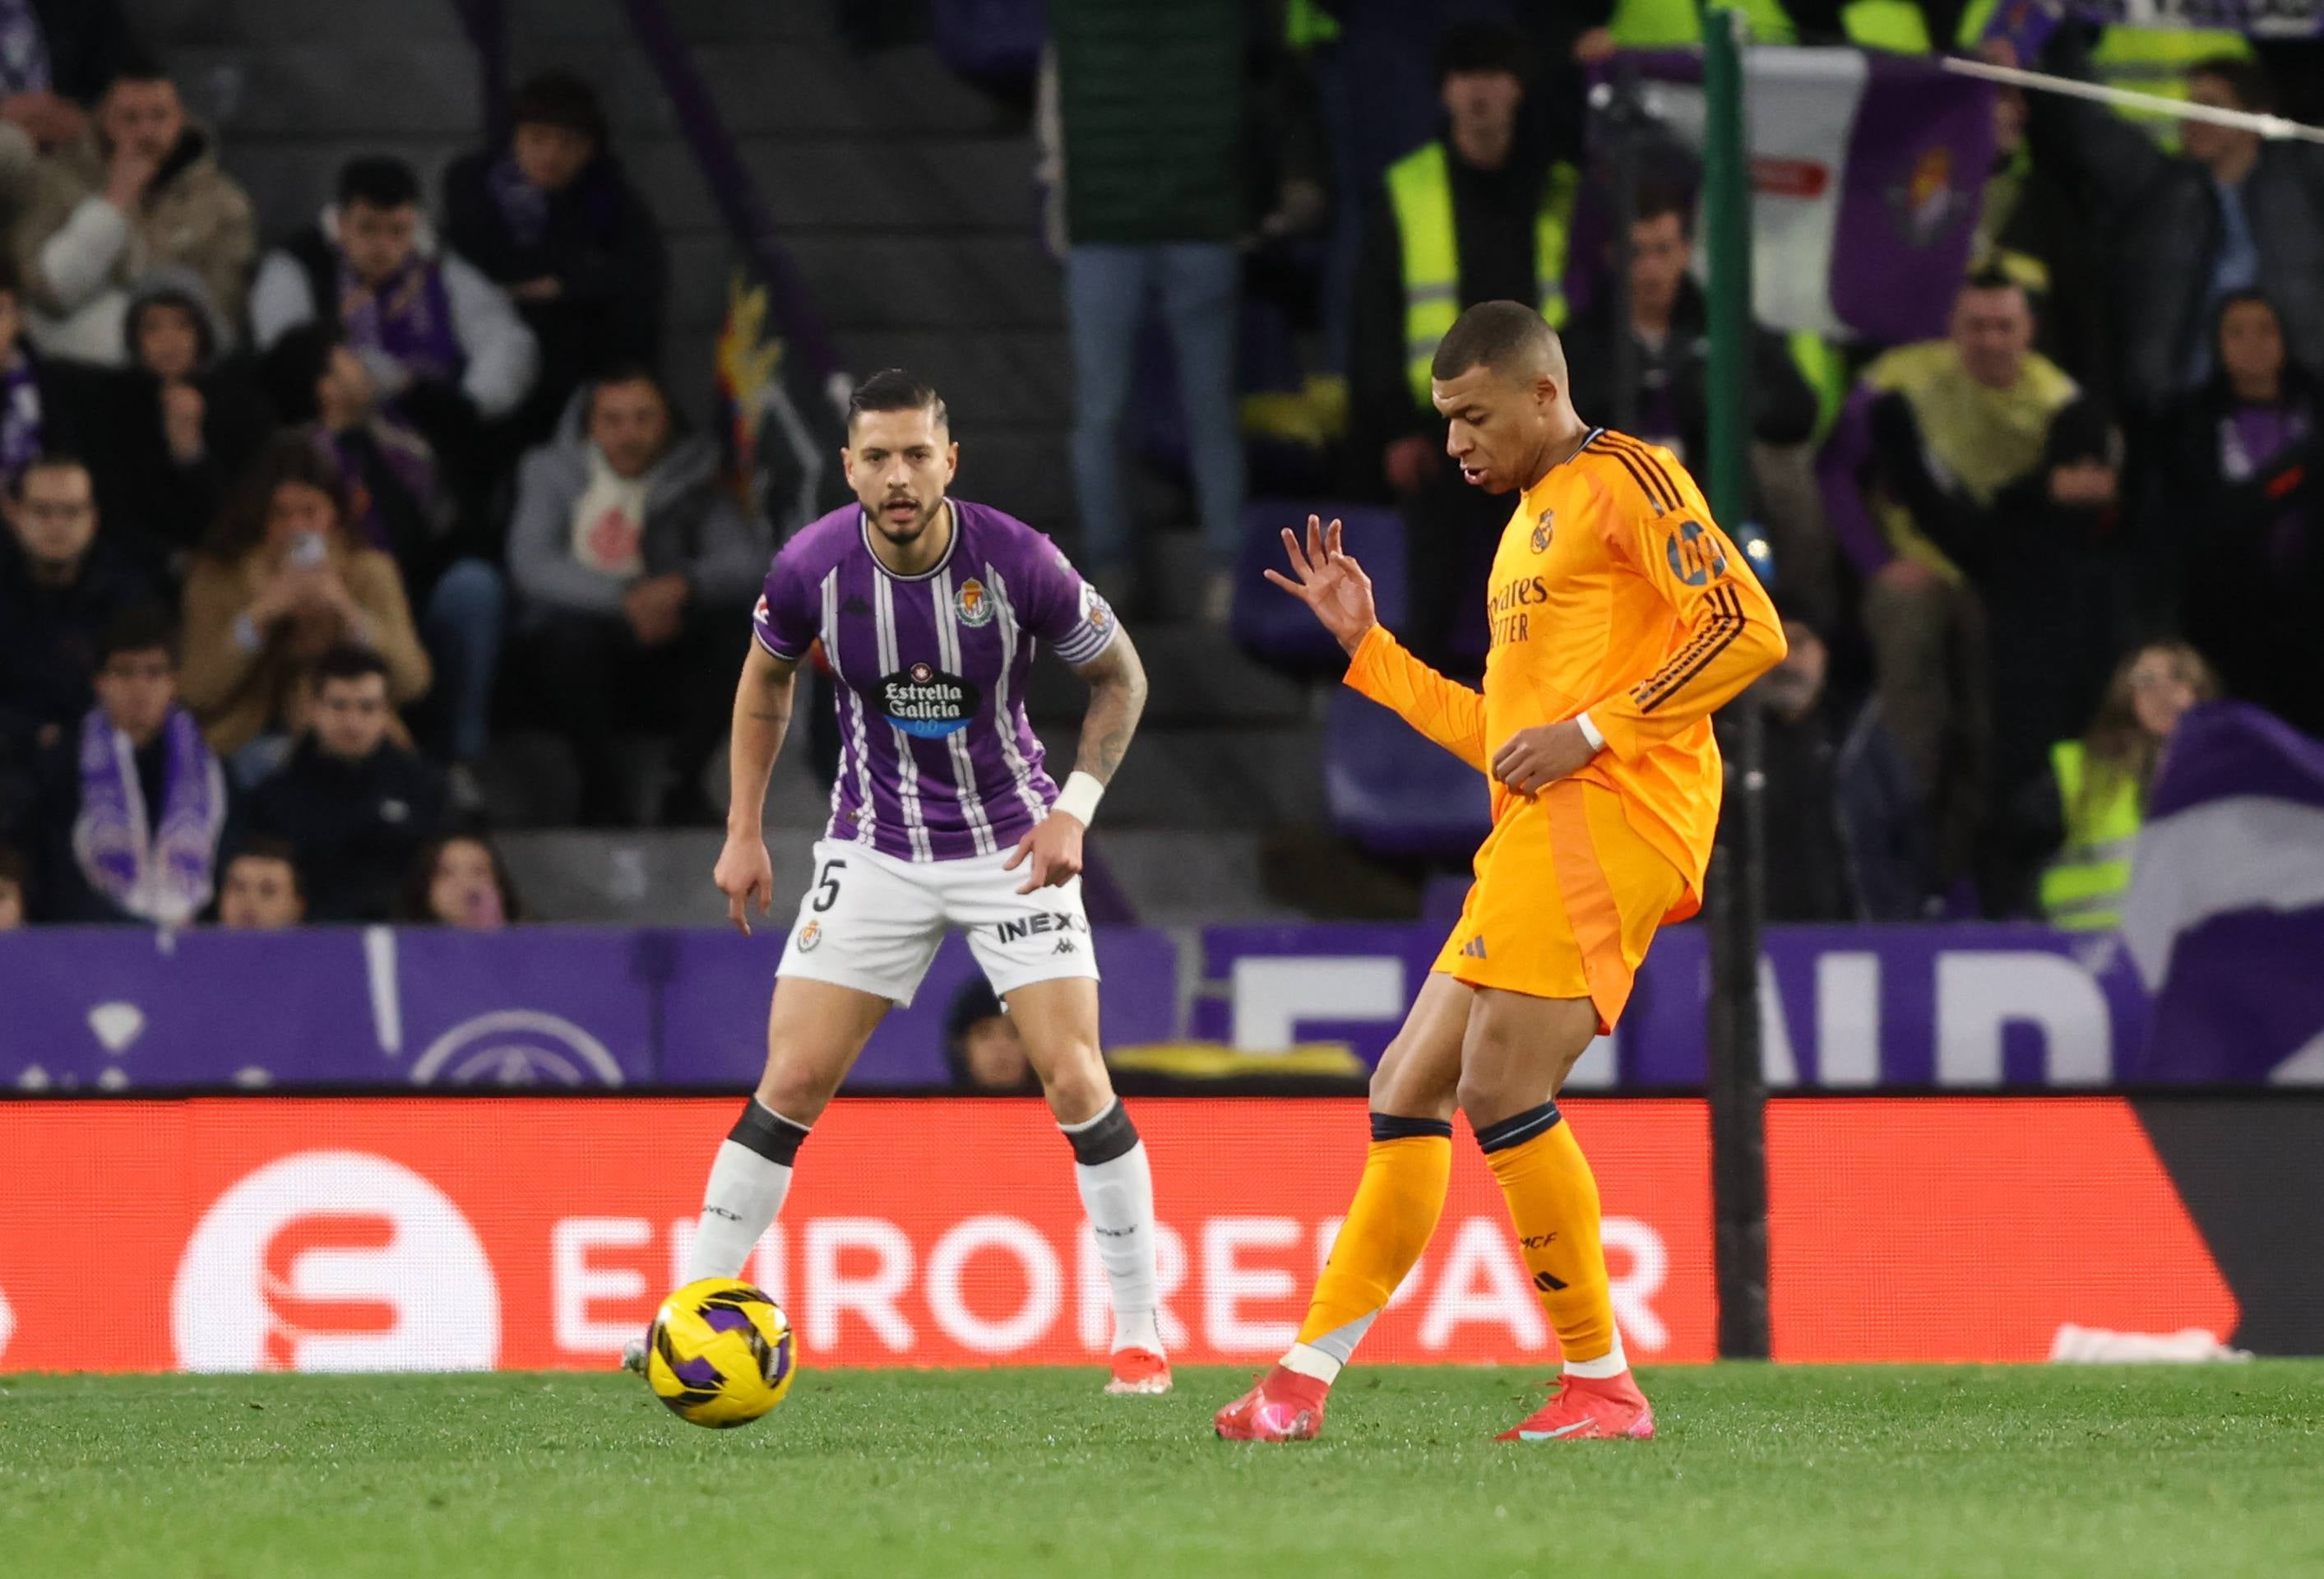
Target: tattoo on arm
{"points": [[1117, 681]]}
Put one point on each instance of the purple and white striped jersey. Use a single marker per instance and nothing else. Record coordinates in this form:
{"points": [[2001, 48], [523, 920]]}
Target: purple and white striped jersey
{"points": [[937, 761]]}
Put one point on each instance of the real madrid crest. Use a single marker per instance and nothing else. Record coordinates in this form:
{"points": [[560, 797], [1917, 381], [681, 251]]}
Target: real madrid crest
{"points": [[1543, 531], [973, 604]]}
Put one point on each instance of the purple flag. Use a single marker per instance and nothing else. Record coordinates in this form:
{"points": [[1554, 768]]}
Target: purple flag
{"points": [[1867, 170], [2225, 912]]}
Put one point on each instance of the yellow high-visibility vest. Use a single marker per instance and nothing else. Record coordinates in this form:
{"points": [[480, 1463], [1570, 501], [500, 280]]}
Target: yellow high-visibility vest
{"points": [[2083, 887], [1894, 27], [1420, 194], [1677, 24]]}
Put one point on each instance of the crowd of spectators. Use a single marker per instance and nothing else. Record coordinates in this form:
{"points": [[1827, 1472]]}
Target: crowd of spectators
{"points": [[1976, 539], [296, 522], [274, 511]]}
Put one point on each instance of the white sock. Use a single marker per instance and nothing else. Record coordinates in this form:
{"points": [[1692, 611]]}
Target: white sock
{"points": [[1612, 1362], [745, 1191], [1325, 1357], [1118, 1194]]}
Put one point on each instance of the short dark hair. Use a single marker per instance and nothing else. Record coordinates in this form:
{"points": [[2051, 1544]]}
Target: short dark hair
{"points": [[894, 390], [559, 98], [134, 65], [141, 627], [267, 848], [1471, 48], [1655, 201], [49, 460], [347, 661], [625, 372], [378, 180], [1498, 335], [2246, 80], [1993, 277]]}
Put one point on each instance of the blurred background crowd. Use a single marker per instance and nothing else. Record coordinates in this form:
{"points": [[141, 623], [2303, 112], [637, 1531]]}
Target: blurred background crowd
{"points": [[333, 553]]}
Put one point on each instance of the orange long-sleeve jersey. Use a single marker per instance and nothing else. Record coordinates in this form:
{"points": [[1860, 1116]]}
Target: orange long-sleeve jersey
{"points": [[1614, 595]]}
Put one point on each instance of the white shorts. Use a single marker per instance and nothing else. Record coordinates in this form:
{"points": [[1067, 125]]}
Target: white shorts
{"points": [[874, 922]]}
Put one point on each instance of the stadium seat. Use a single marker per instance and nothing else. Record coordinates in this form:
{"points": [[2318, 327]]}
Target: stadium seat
{"points": [[1273, 627], [1394, 792]]}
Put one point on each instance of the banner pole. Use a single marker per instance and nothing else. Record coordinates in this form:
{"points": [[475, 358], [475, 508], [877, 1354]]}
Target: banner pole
{"points": [[1736, 1088], [2276, 128]]}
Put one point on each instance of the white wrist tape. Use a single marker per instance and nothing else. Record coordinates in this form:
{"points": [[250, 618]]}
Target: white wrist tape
{"points": [[1078, 799], [1589, 732]]}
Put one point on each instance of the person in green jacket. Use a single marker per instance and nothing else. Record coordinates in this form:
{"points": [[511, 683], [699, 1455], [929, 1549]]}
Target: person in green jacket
{"points": [[2095, 798]]}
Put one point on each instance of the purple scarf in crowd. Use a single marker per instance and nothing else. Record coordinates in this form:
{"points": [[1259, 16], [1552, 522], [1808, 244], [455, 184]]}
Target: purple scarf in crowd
{"points": [[2251, 438], [20, 416], [524, 206], [23, 49], [404, 453], [407, 315], [161, 870]]}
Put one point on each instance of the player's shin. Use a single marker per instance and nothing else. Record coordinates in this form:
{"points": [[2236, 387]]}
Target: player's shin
{"points": [[1389, 1225], [1552, 1200], [1117, 1189], [748, 1182]]}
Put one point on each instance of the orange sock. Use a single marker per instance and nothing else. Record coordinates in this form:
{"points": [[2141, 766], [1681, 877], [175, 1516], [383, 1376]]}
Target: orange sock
{"points": [[1554, 1204], [1388, 1226]]}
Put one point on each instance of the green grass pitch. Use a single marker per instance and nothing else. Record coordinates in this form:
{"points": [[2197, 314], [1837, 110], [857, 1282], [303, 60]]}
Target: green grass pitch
{"points": [[2105, 1472]]}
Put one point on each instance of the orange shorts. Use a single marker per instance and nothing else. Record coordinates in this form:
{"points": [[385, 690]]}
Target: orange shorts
{"points": [[1567, 897]]}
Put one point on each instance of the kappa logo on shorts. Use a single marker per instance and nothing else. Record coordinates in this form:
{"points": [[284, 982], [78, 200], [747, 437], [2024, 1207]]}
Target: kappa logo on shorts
{"points": [[925, 702], [809, 935], [972, 603], [1065, 945]]}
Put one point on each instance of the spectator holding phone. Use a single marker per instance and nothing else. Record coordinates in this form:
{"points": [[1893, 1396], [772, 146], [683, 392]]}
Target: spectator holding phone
{"points": [[281, 581]]}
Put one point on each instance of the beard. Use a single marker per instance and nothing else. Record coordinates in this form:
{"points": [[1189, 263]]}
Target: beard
{"points": [[907, 531]]}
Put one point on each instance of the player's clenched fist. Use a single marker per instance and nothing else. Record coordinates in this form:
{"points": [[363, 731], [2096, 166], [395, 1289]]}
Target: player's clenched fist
{"points": [[744, 873], [1051, 850], [1534, 759]]}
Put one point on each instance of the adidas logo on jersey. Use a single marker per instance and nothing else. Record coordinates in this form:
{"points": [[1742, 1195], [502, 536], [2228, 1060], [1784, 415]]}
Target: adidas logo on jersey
{"points": [[1475, 947]]}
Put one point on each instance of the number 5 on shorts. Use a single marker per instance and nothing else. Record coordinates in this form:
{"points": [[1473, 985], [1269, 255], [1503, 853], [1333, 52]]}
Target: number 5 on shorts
{"points": [[826, 886]]}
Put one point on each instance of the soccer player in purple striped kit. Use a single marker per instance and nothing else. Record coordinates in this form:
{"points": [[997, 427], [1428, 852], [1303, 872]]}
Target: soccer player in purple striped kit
{"points": [[928, 610]]}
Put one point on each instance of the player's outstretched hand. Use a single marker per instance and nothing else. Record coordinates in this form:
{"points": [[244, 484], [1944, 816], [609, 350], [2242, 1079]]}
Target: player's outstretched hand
{"points": [[744, 873], [1331, 583], [1534, 759], [1052, 849]]}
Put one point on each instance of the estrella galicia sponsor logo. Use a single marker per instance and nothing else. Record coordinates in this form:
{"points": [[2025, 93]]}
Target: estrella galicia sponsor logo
{"points": [[925, 702], [1041, 921]]}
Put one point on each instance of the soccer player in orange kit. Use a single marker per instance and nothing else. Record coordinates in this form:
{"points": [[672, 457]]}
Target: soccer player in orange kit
{"points": [[1622, 617]]}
